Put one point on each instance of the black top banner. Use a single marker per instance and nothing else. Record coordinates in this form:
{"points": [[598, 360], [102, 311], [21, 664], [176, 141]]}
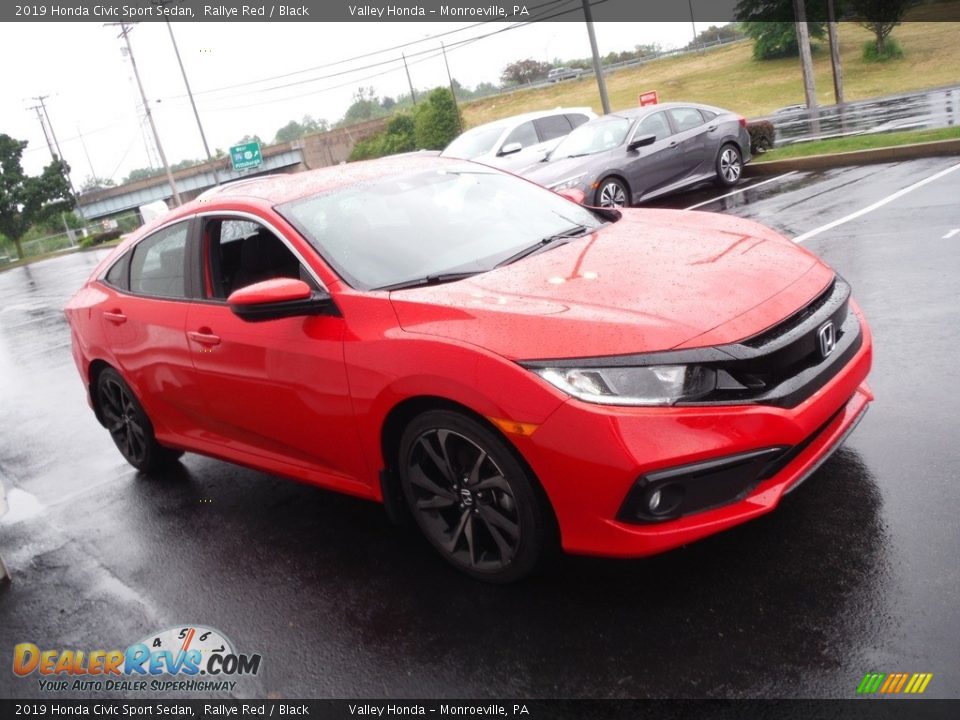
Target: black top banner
{"points": [[53, 709], [372, 11]]}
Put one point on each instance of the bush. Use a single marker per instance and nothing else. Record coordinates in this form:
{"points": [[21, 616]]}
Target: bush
{"points": [[891, 51], [436, 121], [99, 238], [762, 135]]}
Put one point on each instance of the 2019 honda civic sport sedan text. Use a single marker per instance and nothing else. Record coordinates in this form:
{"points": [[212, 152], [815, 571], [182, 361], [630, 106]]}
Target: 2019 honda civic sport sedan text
{"points": [[513, 370]]}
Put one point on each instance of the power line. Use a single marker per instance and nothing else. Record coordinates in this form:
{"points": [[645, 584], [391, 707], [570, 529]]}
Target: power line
{"points": [[361, 57]]}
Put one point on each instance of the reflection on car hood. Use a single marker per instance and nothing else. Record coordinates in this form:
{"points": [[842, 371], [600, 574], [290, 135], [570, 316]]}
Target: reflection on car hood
{"points": [[655, 280], [553, 171]]}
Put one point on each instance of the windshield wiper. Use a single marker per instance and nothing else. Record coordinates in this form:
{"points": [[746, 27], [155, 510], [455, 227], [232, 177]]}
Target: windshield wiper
{"points": [[437, 279], [573, 232]]}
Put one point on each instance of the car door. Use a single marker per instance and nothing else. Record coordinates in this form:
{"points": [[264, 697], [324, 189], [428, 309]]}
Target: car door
{"points": [[653, 166], [143, 317], [551, 130], [276, 388], [693, 135], [525, 135]]}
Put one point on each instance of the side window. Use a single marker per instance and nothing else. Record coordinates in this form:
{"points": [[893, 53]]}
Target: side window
{"points": [[239, 252], [157, 263], [577, 119], [552, 127], [117, 274], [708, 115], [525, 134], [655, 124], [686, 118]]}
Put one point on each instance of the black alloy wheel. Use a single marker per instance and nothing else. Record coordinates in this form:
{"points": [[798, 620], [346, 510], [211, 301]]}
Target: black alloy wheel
{"points": [[471, 498], [129, 426]]}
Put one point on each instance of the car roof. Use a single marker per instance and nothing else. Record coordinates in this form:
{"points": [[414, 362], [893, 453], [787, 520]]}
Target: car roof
{"points": [[533, 115], [632, 113], [278, 189]]}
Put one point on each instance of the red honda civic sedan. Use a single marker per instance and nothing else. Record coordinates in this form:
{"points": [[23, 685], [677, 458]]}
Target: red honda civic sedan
{"points": [[510, 369]]}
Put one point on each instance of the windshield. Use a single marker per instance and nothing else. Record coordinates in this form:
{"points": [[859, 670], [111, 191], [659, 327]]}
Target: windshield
{"points": [[593, 137], [472, 143], [452, 220]]}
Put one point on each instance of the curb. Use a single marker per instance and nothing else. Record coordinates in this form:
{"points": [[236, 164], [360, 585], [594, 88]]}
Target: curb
{"points": [[855, 157]]}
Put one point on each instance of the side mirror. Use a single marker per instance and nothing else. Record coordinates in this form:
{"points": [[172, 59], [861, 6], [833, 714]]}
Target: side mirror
{"points": [[279, 298], [641, 141], [510, 149]]}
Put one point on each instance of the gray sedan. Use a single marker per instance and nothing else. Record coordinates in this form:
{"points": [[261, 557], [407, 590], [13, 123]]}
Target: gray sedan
{"points": [[626, 157]]}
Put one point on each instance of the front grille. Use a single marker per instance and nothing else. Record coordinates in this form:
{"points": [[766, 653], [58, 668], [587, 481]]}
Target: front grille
{"points": [[784, 365]]}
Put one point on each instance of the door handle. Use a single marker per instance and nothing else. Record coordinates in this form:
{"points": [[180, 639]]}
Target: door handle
{"points": [[711, 128], [204, 337], [674, 145], [115, 316]]}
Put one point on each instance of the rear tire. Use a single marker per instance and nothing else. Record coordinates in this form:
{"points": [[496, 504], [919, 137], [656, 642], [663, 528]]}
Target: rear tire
{"points": [[129, 426], [729, 166], [612, 193], [471, 498]]}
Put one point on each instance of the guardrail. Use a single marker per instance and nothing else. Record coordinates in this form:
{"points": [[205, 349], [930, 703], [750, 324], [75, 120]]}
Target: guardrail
{"points": [[907, 111]]}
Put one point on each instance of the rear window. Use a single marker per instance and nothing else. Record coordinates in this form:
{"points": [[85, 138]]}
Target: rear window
{"points": [[686, 118]]}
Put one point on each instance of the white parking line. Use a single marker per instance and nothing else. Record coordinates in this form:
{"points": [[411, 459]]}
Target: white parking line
{"points": [[743, 189], [951, 234], [880, 203]]}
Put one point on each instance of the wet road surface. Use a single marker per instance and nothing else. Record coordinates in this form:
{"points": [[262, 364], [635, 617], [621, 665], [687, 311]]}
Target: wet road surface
{"points": [[856, 572]]}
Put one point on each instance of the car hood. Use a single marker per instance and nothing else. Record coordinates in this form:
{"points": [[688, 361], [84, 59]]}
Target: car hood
{"points": [[552, 171], [654, 280]]}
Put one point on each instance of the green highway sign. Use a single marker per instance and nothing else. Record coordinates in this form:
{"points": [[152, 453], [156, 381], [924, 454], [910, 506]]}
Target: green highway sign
{"points": [[246, 156]]}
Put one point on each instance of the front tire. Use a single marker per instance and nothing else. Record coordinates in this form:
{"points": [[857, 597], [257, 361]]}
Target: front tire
{"points": [[471, 498], [129, 426], [612, 193], [729, 166]]}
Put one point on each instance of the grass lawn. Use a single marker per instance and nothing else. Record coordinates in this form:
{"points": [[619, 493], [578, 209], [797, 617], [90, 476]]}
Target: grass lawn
{"points": [[30, 259], [731, 78], [859, 142]]}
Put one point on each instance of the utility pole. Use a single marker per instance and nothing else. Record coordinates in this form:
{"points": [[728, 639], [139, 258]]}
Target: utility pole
{"points": [[597, 68], [46, 135], [693, 25], [413, 93], [83, 144], [452, 92], [806, 62], [206, 147], [835, 54], [125, 34], [56, 143]]}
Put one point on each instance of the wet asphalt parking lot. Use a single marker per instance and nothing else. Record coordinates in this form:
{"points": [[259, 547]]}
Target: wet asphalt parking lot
{"points": [[855, 572]]}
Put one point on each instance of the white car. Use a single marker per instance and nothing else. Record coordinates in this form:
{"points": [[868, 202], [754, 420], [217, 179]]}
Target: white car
{"points": [[518, 142], [564, 73]]}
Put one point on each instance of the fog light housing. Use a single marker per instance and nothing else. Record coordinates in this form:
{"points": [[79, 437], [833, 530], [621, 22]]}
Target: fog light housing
{"points": [[675, 492]]}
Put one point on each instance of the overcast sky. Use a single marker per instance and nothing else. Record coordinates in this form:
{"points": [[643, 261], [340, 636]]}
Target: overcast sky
{"points": [[92, 91]]}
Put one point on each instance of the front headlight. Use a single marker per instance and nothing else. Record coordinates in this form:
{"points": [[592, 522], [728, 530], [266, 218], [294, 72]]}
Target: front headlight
{"points": [[570, 182], [653, 385]]}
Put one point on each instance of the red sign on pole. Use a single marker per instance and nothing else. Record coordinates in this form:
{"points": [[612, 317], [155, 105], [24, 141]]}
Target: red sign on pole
{"points": [[648, 98]]}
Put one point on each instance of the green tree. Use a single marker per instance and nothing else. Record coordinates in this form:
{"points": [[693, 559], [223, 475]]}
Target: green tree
{"points": [[26, 200], [880, 17], [436, 122], [771, 26], [142, 174], [92, 183], [524, 71], [289, 132], [365, 107]]}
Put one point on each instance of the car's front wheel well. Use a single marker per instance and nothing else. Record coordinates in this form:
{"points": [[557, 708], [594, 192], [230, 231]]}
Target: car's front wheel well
{"points": [[393, 426]]}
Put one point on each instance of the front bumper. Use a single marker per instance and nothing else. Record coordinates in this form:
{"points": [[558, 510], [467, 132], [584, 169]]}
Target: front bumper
{"points": [[590, 457]]}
